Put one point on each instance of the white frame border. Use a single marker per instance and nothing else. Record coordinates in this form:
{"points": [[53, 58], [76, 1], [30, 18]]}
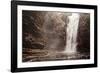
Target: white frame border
{"points": [[20, 64]]}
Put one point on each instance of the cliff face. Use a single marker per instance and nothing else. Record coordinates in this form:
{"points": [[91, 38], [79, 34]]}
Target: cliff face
{"points": [[84, 33], [44, 30], [32, 30]]}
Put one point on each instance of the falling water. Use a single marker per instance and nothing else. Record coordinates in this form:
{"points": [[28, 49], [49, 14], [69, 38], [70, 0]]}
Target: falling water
{"points": [[71, 38]]}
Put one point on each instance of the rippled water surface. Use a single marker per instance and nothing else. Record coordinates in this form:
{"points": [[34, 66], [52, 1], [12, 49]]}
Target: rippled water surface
{"points": [[31, 55]]}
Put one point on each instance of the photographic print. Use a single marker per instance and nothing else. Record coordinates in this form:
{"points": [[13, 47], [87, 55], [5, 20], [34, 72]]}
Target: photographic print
{"points": [[50, 36]]}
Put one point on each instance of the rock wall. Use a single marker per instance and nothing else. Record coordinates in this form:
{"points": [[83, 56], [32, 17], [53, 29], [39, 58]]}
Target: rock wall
{"points": [[84, 33], [44, 30]]}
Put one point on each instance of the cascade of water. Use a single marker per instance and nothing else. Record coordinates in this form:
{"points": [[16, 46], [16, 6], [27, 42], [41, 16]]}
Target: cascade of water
{"points": [[71, 30]]}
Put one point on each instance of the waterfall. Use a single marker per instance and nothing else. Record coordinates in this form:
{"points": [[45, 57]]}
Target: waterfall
{"points": [[71, 30]]}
